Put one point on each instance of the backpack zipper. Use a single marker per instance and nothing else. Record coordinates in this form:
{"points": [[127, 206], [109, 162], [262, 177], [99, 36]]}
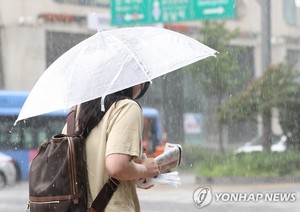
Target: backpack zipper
{"points": [[46, 202]]}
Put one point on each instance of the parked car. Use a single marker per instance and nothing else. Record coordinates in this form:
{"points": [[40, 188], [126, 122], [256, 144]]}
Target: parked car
{"points": [[8, 172], [255, 145]]}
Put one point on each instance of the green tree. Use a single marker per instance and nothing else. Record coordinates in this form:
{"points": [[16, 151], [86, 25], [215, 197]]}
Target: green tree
{"points": [[290, 119], [276, 88], [220, 75]]}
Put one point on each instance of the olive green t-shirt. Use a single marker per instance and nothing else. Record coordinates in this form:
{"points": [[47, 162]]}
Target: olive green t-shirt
{"points": [[120, 131]]}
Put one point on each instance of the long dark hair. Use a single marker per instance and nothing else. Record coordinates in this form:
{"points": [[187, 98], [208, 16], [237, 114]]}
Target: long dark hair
{"points": [[90, 113]]}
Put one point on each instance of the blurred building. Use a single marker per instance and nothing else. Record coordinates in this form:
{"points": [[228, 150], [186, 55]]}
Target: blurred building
{"points": [[33, 34]]}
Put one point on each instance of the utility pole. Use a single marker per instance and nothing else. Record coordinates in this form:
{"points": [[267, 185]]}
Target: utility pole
{"points": [[265, 33], [266, 60]]}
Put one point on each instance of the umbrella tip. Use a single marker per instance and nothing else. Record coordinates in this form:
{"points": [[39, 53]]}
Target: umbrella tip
{"points": [[16, 121], [98, 22]]}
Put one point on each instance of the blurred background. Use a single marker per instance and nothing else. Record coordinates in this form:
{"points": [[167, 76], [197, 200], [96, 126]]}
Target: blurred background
{"points": [[236, 114]]}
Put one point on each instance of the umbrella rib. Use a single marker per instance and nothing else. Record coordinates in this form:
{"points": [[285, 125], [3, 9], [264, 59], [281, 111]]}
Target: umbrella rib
{"points": [[136, 58]]}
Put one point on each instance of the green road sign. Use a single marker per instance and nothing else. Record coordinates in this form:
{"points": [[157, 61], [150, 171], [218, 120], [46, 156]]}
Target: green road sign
{"points": [[214, 9], [130, 12]]}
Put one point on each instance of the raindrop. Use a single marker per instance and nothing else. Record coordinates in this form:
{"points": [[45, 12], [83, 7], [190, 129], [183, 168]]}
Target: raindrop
{"points": [[165, 76], [191, 165]]}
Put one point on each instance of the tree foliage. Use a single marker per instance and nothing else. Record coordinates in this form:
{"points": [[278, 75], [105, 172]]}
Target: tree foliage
{"points": [[217, 75], [278, 88], [290, 119], [275, 88]]}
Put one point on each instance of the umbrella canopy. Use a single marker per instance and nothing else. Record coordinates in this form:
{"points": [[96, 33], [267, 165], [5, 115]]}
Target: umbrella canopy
{"points": [[110, 61]]}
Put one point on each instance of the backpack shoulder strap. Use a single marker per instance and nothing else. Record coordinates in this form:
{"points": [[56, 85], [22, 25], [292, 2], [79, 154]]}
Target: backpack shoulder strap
{"points": [[109, 187], [105, 194], [71, 121]]}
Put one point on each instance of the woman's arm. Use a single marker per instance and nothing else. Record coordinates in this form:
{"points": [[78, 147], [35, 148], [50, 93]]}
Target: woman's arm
{"points": [[122, 167]]}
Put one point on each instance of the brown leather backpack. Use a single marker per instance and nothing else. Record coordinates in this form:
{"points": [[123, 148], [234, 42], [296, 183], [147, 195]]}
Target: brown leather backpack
{"points": [[58, 178]]}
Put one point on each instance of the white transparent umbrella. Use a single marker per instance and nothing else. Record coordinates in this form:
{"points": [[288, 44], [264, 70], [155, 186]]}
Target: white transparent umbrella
{"points": [[110, 61]]}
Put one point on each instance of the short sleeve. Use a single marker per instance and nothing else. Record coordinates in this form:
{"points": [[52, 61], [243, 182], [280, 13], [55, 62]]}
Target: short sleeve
{"points": [[125, 129]]}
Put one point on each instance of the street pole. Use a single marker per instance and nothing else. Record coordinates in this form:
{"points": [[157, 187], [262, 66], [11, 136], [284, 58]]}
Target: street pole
{"points": [[265, 33], [266, 60]]}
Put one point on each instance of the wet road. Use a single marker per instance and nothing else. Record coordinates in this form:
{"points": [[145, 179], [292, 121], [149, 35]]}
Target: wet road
{"points": [[163, 198]]}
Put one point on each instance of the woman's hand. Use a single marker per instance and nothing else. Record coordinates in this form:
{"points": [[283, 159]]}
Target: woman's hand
{"points": [[151, 167], [122, 167]]}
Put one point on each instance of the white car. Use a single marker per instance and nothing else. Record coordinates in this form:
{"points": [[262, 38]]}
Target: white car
{"points": [[8, 172], [255, 145]]}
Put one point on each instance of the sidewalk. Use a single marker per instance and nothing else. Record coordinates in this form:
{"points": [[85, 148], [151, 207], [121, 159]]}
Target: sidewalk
{"points": [[247, 180], [190, 181]]}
